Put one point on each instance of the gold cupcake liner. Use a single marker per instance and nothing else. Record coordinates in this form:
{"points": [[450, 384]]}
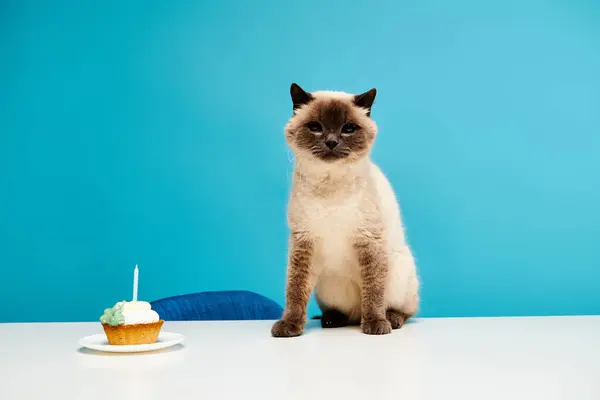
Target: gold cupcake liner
{"points": [[133, 334]]}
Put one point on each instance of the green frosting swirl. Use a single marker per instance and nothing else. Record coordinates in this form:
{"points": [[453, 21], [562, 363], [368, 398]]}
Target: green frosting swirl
{"points": [[113, 316]]}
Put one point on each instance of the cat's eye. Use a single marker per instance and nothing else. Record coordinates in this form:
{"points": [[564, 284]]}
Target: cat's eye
{"points": [[314, 126], [349, 128]]}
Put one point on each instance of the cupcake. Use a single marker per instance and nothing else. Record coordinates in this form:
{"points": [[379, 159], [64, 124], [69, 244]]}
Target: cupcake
{"points": [[133, 322]]}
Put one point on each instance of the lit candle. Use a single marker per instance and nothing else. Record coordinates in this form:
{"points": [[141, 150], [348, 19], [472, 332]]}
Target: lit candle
{"points": [[135, 282]]}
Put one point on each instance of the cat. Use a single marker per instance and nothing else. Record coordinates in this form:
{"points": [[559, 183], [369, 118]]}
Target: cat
{"points": [[347, 239]]}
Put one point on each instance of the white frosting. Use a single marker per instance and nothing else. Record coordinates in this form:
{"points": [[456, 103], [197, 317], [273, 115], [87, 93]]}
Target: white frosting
{"points": [[140, 317], [136, 306], [138, 312]]}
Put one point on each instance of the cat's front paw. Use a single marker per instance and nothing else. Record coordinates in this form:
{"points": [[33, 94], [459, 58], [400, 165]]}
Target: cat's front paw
{"points": [[377, 327], [285, 328]]}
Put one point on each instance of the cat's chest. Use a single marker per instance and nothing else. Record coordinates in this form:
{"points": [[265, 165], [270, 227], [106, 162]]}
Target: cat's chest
{"points": [[334, 226], [334, 220]]}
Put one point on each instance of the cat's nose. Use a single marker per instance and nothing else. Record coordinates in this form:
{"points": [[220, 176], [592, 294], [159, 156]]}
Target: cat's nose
{"points": [[331, 144]]}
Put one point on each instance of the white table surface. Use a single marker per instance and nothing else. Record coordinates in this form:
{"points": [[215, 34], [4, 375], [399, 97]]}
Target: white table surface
{"points": [[481, 358]]}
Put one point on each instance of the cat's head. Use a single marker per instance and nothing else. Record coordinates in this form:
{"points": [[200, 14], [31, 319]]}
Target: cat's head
{"points": [[331, 127]]}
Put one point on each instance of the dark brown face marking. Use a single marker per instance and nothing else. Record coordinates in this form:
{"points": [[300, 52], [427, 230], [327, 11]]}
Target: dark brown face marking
{"points": [[299, 96], [333, 115], [332, 132]]}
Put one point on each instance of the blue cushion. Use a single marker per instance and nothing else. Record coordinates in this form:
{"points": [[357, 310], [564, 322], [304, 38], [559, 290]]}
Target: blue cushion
{"points": [[224, 305]]}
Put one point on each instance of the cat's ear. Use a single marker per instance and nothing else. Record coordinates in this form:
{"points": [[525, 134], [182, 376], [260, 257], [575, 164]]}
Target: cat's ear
{"points": [[299, 96], [366, 100]]}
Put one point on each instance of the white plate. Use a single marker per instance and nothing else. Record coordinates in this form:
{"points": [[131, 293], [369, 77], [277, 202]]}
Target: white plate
{"points": [[100, 343]]}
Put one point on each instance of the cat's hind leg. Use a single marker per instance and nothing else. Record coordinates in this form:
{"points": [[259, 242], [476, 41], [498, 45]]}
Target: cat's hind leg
{"points": [[411, 301], [396, 318], [403, 295], [410, 306]]}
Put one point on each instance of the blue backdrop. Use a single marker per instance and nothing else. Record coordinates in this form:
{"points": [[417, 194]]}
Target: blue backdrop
{"points": [[151, 132]]}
